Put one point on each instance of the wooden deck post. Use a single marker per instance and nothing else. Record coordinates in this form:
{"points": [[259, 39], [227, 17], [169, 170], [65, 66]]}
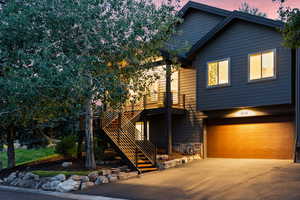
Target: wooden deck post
{"points": [[168, 105]]}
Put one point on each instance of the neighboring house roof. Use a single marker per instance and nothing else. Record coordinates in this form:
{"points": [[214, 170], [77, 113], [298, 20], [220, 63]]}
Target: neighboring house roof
{"points": [[230, 17]]}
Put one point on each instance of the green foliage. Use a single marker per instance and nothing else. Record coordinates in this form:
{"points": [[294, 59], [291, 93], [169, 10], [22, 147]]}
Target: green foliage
{"points": [[43, 173], [100, 146], [245, 7], [290, 32], [27, 155], [58, 56], [66, 147]]}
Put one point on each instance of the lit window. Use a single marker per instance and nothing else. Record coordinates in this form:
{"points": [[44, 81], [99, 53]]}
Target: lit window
{"points": [[140, 133], [262, 65], [218, 73]]}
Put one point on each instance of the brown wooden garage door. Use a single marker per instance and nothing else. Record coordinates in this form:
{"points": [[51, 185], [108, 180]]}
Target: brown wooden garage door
{"points": [[273, 140]]}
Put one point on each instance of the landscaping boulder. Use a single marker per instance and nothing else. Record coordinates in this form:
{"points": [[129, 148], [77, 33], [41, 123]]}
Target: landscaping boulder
{"points": [[87, 185], [67, 164], [80, 178], [85, 179], [31, 183], [68, 186], [122, 176], [105, 172], [184, 160], [132, 174], [30, 176], [11, 177], [51, 186], [15, 182], [112, 178], [93, 176], [59, 177], [101, 180]]}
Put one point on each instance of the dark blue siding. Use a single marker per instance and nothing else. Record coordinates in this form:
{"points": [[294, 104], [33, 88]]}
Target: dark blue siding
{"points": [[236, 42], [196, 24]]}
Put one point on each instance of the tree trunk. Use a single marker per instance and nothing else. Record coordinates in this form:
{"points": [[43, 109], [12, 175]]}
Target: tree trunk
{"points": [[89, 138], [11, 162], [80, 138]]}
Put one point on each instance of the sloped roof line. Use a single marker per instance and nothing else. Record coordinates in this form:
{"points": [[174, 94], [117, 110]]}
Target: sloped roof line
{"points": [[223, 24], [204, 8]]}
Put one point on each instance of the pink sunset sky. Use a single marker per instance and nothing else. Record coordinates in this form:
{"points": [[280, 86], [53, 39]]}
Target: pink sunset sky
{"points": [[266, 6]]}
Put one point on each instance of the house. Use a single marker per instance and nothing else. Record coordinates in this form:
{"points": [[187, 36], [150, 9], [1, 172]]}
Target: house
{"points": [[232, 97]]}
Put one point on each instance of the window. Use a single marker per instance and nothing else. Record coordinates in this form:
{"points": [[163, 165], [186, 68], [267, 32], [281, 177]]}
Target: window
{"points": [[140, 133], [218, 73], [262, 65]]}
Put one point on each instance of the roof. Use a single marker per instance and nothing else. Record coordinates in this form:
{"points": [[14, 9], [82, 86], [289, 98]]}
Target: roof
{"points": [[230, 16], [202, 7]]}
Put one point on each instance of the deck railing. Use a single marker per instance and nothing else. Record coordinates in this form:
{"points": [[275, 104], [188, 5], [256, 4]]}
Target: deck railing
{"points": [[157, 100]]}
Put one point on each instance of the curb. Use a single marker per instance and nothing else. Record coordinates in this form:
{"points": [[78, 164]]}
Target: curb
{"points": [[57, 194]]}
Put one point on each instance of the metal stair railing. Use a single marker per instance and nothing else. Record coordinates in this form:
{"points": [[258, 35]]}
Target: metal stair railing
{"points": [[145, 146], [120, 129], [120, 138]]}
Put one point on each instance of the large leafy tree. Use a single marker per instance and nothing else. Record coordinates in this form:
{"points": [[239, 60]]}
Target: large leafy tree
{"points": [[245, 7], [59, 57], [291, 30]]}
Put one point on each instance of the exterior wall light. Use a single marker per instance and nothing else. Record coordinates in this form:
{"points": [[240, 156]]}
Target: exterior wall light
{"points": [[245, 113]]}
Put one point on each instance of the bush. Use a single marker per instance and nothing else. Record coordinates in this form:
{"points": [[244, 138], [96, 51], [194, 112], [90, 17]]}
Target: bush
{"points": [[100, 146], [66, 147]]}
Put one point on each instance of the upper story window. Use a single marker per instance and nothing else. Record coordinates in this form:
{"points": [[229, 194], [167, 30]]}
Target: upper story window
{"points": [[262, 65], [218, 73]]}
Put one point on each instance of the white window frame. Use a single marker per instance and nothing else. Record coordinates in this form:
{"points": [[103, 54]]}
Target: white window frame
{"points": [[229, 73], [275, 66]]}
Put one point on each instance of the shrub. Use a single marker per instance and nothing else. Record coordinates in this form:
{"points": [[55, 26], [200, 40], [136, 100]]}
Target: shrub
{"points": [[66, 147], [100, 146]]}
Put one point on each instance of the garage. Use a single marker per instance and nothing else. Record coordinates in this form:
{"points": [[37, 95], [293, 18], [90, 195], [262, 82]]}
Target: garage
{"points": [[271, 138]]}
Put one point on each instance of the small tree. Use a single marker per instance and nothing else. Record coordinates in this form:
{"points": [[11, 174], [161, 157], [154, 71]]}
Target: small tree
{"points": [[245, 7]]}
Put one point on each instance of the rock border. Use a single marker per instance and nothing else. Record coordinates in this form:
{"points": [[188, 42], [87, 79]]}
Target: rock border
{"points": [[61, 183], [177, 162]]}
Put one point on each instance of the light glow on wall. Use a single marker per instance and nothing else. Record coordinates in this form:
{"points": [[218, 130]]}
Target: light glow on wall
{"points": [[245, 113]]}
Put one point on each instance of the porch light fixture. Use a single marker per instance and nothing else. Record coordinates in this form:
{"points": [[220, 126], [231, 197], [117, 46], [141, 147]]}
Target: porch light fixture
{"points": [[245, 113]]}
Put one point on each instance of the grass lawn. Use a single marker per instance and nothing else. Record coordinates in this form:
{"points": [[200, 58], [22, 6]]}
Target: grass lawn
{"points": [[27, 155], [54, 173]]}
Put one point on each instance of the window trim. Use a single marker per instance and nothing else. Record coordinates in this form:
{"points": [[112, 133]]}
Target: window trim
{"points": [[275, 66], [229, 73]]}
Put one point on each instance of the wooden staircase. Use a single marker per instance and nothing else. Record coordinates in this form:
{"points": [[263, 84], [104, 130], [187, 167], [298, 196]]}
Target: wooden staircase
{"points": [[120, 128]]}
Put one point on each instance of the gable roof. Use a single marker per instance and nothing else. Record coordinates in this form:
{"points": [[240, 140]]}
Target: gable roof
{"points": [[204, 8], [230, 17]]}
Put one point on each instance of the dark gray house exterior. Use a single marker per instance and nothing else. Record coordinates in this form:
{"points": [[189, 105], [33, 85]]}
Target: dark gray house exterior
{"points": [[239, 84], [245, 85], [234, 95]]}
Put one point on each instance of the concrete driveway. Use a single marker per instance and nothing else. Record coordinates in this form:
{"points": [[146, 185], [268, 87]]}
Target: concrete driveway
{"points": [[222, 179]]}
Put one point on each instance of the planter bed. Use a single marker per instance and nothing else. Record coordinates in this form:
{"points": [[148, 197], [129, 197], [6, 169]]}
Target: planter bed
{"points": [[64, 175]]}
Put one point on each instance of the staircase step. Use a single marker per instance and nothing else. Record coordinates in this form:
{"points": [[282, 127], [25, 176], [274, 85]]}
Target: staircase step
{"points": [[148, 169], [144, 165], [143, 162]]}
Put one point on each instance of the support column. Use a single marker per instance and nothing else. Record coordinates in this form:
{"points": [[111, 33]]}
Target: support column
{"points": [[297, 102], [168, 105], [145, 128]]}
